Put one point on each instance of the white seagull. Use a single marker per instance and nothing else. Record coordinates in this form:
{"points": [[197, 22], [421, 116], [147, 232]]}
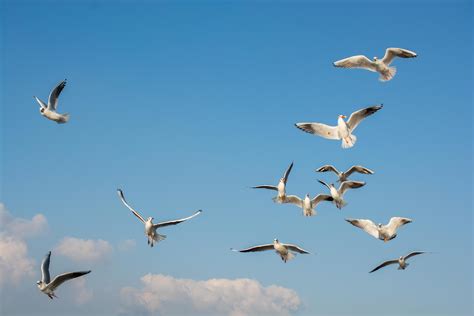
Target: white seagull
{"points": [[46, 285], [343, 130], [402, 264], [338, 194], [49, 110], [280, 188], [150, 228], [308, 205], [286, 251], [377, 65], [382, 232], [343, 176]]}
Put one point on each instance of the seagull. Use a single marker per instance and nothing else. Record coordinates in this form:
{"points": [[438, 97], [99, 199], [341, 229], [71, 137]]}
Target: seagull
{"points": [[378, 65], [150, 228], [343, 176], [308, 205], [338, 194], [280, 188], [382, 232], [343, 130], [402, 264], [46, 285], [286, 251], [49, 110]]}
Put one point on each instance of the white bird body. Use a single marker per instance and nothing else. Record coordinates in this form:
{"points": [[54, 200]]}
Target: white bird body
{"points": [[382, 232], [49, 110], [285, 251], [307, 204], [281, 191], [338, 194]]}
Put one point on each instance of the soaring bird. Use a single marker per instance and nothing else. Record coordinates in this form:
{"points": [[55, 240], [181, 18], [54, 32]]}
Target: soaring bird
{"points": [[150, 228], [49, 110], [343, 130], [47, 286], [377, 65], [280, 188], [343, 176], [402, 264], [338, 194], [286, 251], [307, 204], [382, 232]]}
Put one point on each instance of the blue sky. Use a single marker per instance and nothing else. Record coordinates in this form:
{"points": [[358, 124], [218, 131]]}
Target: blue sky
{"points": [[186, 105]]}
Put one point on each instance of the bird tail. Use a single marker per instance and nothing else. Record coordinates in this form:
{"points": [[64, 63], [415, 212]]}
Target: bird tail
{"points": [[310, 212], [159, 237], [340, 204], [278, 200], [349, 141], [64, 118], [288, 256], [389, 74]]}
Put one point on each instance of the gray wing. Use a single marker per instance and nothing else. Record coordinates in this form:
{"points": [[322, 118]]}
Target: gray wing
{"points": [[122, 198], [54, 95], [177, 221], [321, 197], [323, 130], [366, 225], [269, 187], [293, 199], [414, 253], [41, 103], [324, 183], [358, 61], [395, 223], [391, 53], [295, 248], [386, 263], [287, 173], [358, 116], [358, 169], [256, 248], [45, 268], [60, 279], [350, 185], [327, 168]]}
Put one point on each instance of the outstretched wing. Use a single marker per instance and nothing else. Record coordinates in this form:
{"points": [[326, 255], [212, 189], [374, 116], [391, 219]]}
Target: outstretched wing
{"points": [[45, 268], [321, 197], [287, 173], [366, 225], [54, 95], [358, 61], [393, 52], [269, 187], [177, 221], [358, 169], [324, 183], [327, 168], [350, 185], [256, 248], [60, 279], [295, 248], [358, 116], [395, 223], [323, 130], [414, 253], [293, 199], [122, 197], [41, 103], [386, 263]]}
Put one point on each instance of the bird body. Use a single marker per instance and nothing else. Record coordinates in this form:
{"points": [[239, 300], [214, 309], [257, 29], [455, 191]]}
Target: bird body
{"points": [[344, 176], [49, 110], [285, 251], [307, 204], [382, 232], [338, 194]]}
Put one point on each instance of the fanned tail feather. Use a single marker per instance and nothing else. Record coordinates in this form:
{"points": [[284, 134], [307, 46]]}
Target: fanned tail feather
{"points": [[388, 75], [311, 212], [288, 257], [349, 141]]}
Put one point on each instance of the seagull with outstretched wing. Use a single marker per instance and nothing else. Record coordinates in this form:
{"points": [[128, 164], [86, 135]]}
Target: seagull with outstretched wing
{"points": [[343, 176], [307, 204], [286, 251], [338, 194], [401, 261], [49, 110], [382, 232], [280, 188]]}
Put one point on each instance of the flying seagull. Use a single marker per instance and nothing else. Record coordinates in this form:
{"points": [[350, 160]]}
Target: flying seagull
{"points": [[49, 110], [46, 285], [308, 205], [343, 130], [378, 65], [286, 251], [402, 264], [382, 232], [338, 194], [150, 228], [280, 188], [343, 176]]}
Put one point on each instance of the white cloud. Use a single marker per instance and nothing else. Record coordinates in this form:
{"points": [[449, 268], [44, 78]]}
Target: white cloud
{"points": [[166, 295], [84, 250], [126, 245], [20, 227], [82, 294]]}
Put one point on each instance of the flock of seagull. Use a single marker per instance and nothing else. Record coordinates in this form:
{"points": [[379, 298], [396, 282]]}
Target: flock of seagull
{"points": [[342, 131]]}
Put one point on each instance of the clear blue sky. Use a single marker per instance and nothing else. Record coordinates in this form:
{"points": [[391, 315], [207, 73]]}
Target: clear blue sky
{"points": [[186, 105]]}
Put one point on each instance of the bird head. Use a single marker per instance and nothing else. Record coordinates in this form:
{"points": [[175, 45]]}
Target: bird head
{"points": [[275, 240], [375, 58], [379, 225], [150, 219], [42, 109], [342, 116], [401, 258], [307, 195]]}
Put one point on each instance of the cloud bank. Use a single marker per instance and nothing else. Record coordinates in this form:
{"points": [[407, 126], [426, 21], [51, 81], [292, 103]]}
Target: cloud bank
{"points": [[84, 250]]}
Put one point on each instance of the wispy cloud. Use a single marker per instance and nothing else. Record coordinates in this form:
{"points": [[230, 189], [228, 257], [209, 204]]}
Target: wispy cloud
{"points": [[84, 250], [126, 245]]}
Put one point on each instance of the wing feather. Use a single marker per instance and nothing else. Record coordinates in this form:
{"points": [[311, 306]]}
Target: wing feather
{"points": [[357, 117], [366, 225], [414, 253], [358, 61], [287, 173], [321, 197], [122, 198], [358, 169], [295, 248], [391, 53], [350, 185], [293, 199], [386, 263], [176, 221], [60, 279], [257, 248], [395, 223], [45, 277], [269, 187], [54, 95], [327, 168], [323, 130]]}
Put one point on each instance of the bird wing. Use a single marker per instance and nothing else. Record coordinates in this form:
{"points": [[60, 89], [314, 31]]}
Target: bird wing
{"points": [[256, 248], [350, 185], [358, 169], [287, 173], [386, 263], [269, 187], [395, 223], [176, 221], [60, 279], [321, 197], [391, 53], [326, 168], [414, 253], [45, 268], [358, 116], [323, 130], [358, 61], [41, 103], [324, 183], [122, 197], [53, 96], [365, 224], [295, 248], [293, 199]]}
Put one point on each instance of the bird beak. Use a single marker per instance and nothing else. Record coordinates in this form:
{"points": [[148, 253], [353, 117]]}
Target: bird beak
{"points": [[344, 116]]}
